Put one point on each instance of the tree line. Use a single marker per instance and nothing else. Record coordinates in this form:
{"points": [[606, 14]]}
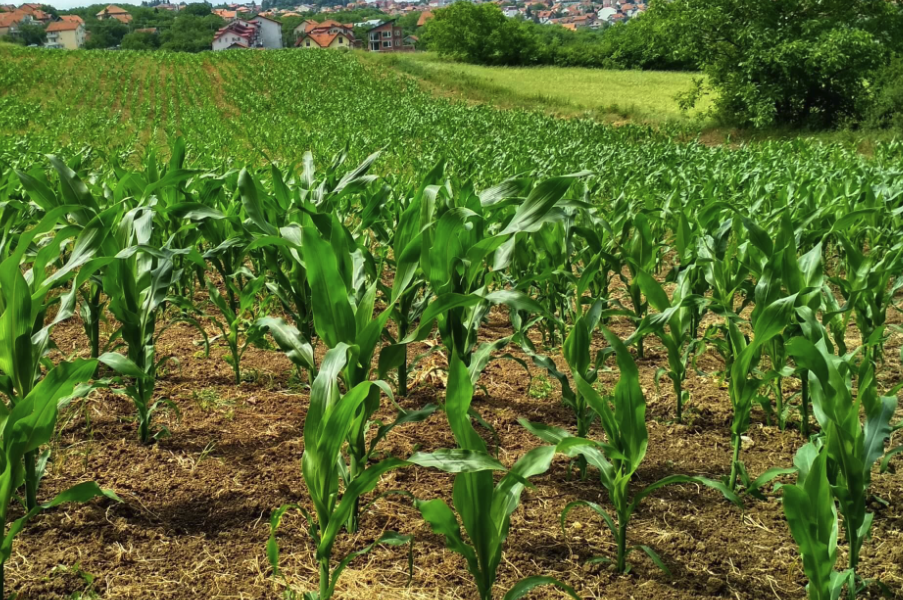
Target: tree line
{"points": [[819, 63]]}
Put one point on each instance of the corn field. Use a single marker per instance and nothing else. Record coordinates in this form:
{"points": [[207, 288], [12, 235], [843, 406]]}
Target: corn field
{"points": [[277, 324]]}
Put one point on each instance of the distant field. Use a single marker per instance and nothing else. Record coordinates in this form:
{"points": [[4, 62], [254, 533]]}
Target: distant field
{"points": [[647, 96]]}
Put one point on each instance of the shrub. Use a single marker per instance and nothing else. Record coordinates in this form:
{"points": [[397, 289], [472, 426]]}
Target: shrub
{"points": [[806, 62]]}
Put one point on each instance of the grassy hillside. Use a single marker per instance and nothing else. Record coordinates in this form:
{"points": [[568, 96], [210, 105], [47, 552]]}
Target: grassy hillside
{"points": [[638, 96]]}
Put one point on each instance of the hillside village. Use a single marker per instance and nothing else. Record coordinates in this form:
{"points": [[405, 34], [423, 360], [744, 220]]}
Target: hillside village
{"points": [[252, 25]]}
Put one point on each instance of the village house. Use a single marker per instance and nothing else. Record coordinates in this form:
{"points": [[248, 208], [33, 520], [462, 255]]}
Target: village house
{"points": [[270, 31], [237, 34], [387, 37], [115, 12], [328, 34], [36, 13], [66, 34], [11, 21]]}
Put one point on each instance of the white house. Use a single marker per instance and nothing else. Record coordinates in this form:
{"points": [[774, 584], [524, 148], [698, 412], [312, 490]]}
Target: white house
{"points": [[237, 34], [270, 31], [605, 14]]}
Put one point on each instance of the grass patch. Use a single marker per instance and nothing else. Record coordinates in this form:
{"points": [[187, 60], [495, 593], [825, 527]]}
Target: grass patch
{"points": [[614, 96], [620, 97]]}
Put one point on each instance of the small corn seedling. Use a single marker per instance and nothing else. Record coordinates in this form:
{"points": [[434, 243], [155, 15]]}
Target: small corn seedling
{"points": [[329, 421], [483, 506], [236, 322], [812, 518], [852, 449], [623, 418], [677, 314]]}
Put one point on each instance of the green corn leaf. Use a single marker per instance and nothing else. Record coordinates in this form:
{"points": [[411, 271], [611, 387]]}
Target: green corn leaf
{"points": [[333, 316], [528, 584], [457, 460]]}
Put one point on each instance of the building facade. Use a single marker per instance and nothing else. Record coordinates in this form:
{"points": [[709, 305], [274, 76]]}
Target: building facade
{"points": [[66, 35], [387, 37], [270, 31]]}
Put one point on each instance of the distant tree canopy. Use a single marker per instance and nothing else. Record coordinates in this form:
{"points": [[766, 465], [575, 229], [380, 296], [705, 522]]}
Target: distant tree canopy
{"points": [[408, 22], [32, 34], [198, 9], [191, 33], [806, 62], [493, 39], [140, 40], [26, 35], [105, 34], [479, 33]]}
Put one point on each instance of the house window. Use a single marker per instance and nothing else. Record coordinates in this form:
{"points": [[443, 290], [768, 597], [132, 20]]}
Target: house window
{"points": [[398, 42], [308, 43], [341, 40], [387, 44], [387, 34]]}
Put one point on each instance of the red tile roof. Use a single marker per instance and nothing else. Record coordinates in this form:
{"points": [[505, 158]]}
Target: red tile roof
{"points": [[62, 26], [112, 10], [12, 18], [321, 39], [73, 19]]}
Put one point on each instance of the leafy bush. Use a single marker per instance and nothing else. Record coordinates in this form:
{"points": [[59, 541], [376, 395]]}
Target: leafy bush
{"points": [[799, 63], [886, 108], [479, 34]]}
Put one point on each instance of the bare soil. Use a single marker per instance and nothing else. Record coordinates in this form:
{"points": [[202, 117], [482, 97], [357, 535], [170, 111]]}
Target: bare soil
{"points": [[195, 514]]}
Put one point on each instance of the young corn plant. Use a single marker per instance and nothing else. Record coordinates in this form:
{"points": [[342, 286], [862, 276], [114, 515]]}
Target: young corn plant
{"points": [[853, 448], [623, 418], [24, 336], [236, 323], [678, 315], [138, 282], [340, 319], [483, 506], [639, 253], [871, 282], [27, 425], [744, 383], [578, 355], [329, 422], [812, 519], [456, 250]]}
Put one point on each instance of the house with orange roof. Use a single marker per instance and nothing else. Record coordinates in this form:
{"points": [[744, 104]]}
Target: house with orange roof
{"points": [[224, 14], [65, 35], [11, 21], [72, 18], [321, 38], [114, 12], [328, 34], [37, 14]]}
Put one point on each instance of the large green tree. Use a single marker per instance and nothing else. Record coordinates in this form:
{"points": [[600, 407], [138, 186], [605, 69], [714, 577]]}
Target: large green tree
{"points": [[32, 34], [798, 62], [479, 33]]}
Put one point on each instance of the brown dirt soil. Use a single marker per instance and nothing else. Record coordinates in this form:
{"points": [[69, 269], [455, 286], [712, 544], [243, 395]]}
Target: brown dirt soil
{"points": [[195, 514]]}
